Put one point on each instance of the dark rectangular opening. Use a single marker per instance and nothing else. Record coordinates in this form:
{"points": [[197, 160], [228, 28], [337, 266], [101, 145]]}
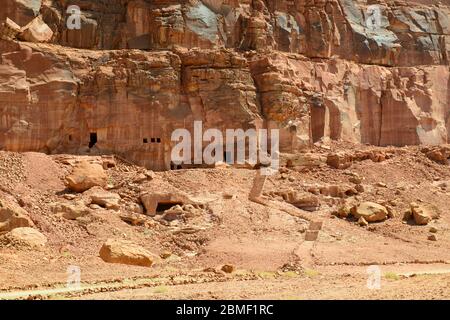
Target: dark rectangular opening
{"points": [[145, 140], [163, 206], [92, 139], [227, 157], [153, 140], [158, 140]]}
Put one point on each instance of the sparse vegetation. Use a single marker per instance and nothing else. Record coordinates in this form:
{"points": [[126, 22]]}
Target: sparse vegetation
{"points": [[290, 274], [267, 274], [161, 289], [391, 276], [311, 273]]}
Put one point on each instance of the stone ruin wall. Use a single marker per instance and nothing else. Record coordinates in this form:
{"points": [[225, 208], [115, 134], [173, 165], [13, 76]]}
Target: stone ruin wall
{"points": [[139, 69]]}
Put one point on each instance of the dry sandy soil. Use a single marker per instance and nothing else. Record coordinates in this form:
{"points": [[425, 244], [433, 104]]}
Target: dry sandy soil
{"points": [[265, 243]]}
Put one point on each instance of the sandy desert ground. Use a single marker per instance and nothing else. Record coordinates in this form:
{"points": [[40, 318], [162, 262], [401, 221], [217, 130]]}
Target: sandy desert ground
{"points": [[263, 244]]}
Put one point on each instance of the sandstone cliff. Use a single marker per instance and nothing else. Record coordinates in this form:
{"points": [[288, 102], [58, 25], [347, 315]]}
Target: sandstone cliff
{"points": [[137, 70]]}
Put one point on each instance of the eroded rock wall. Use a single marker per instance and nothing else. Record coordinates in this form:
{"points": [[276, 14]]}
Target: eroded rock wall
{"points": [[409, 33], [137, 70], [55, 100]]}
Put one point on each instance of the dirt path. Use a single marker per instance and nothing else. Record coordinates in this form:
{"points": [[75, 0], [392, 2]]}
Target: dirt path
{"points": [[397, 282]]}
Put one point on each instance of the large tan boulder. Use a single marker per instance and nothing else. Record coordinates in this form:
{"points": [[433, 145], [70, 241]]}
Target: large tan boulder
{"points": [[302, 201], [362, 222], [370, 211], [25, 237], [134, 219], [338, 191], [125, 252], [103, 198], [339, 160], [181, 212], [423, 213], [9, 29], [308, 160], [36, 31], [12, 216], [71, 211], [439, 154], [344, 211], [86, 175], [174, 213]]}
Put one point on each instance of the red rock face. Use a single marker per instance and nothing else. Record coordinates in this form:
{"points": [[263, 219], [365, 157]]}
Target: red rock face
{"points": [[137, 70]]}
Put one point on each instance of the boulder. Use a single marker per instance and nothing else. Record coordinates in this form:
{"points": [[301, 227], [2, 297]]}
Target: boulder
{"points": [[12, 216], [359, 188], [108, 162], [150, 174], [140, 177], [86, 175], [356, 180], [407, 215], [125, 252], [344, 211], [25, 236], [227, 268], [339, 160], [165, 255], [439, 154], [9, 29], [103, 198], [135, 208], [391, 212], [21, 11], [362, 222], [308, 160], [370, 211], [145, 175], [36, 31], [374, 155], [133, 218], [338, 191], [71, 211], [423, 213], [302, 201], [174, 213]]}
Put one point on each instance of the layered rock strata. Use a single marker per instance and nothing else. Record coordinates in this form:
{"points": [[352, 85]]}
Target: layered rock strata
{"points": [[362, 71]]}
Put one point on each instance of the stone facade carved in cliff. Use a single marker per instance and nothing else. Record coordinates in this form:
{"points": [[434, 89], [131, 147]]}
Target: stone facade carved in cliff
{"points": [[137, 70]]}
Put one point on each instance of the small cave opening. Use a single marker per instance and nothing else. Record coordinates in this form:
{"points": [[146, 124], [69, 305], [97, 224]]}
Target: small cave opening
{"points": [[174, 166], [318, 113], [145, 140], [92, 139], [163, 206]]}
